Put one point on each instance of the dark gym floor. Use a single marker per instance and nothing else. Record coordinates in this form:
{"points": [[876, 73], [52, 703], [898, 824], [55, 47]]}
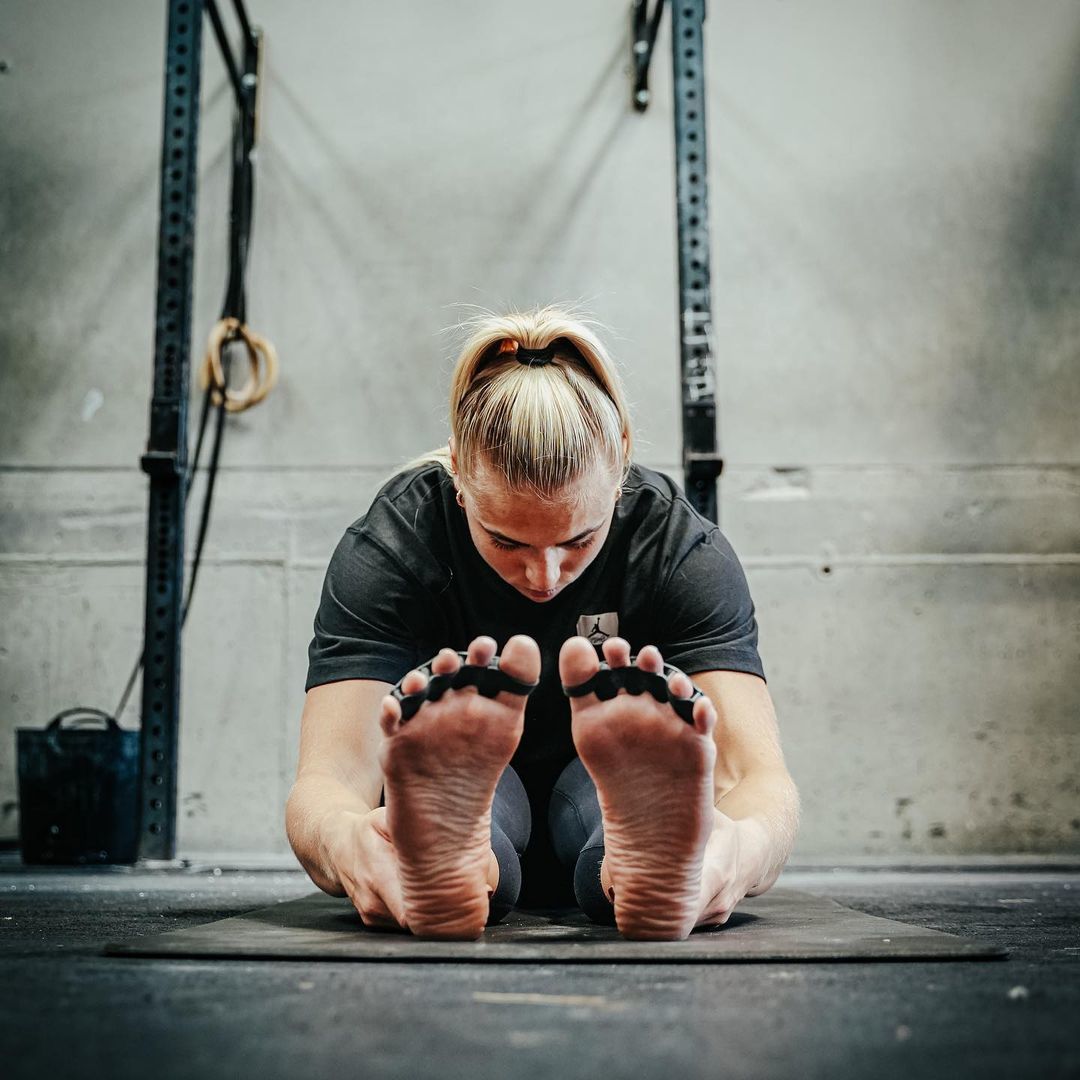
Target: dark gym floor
{"points": [[71, 1012]]}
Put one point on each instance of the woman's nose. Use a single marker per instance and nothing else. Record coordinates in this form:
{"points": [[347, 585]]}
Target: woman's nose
{"points": [[543, 571]]}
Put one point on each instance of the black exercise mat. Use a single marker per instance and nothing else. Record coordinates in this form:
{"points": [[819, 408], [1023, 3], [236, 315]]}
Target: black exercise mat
{"points": [[782, 924]]}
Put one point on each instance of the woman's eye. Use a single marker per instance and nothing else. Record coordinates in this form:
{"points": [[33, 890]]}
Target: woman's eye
{"points": [[579, 546]]}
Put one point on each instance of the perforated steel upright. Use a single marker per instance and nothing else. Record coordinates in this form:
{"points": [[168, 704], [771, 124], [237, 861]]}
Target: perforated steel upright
{"points": [[166, 457], [702, 463]]}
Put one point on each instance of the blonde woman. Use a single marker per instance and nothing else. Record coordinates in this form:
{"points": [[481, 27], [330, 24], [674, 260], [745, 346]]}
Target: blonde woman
{"points": [[574, 765]]}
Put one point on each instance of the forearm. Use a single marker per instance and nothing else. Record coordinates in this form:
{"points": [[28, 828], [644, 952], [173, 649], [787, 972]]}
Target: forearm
{"points": [[314, 800], [765, 806]]}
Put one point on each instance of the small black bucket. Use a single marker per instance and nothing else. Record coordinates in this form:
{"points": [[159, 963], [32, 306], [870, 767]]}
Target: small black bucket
{"points": [[79, 791]]}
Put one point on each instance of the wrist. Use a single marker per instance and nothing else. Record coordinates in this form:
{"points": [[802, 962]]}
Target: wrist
{"points": [[331, 829], [754, 854], [315, 819]]}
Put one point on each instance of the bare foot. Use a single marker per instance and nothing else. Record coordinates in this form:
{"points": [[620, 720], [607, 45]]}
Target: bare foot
{"points": [[440, 770], [654, 777]]}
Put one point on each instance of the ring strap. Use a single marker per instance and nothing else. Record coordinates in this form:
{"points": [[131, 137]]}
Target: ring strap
{"points": [[489, 680], [608, 681]]}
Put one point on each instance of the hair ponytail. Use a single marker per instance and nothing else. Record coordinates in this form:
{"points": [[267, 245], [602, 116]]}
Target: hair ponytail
{"points": [[541, 426]]}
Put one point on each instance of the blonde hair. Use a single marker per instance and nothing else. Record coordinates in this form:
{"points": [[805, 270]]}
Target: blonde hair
{"points": [[541, 427]]}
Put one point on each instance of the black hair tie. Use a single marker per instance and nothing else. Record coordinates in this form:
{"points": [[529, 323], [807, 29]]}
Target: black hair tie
{"points": [[535, 357]]}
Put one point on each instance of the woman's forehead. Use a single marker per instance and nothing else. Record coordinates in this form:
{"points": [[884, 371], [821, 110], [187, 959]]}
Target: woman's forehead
{"points": [[530, 518]]}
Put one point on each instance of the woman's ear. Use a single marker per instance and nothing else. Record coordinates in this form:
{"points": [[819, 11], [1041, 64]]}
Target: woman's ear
{"points": [[453, 454]]}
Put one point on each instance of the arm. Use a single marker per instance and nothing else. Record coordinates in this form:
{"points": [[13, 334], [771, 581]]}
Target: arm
{"points": [[754, 791], [338, 770]]}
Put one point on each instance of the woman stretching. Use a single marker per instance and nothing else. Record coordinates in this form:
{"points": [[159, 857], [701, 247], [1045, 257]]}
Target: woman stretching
{"points": [[576, 765]]}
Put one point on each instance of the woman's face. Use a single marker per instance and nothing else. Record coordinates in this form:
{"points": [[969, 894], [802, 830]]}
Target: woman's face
{"points": [[536, 546]]}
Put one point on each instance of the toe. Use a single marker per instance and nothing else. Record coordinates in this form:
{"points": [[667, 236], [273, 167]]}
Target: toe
{"points": [[482, 650], [704, 716], [577, 661], [649, 659], [617, 652], [680, 685], [389, 715], [446, 663], [520, 658], [414, 682]]}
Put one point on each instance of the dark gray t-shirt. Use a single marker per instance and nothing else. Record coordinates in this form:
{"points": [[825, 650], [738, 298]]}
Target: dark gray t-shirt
{"points": [[406, 580]]}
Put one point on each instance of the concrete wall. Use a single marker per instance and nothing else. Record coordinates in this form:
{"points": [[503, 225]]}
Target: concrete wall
{"points": [[896, 252]]}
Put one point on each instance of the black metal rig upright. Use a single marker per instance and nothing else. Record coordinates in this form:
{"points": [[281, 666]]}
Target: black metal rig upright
{"points": [[166, 455], [702, 463]]}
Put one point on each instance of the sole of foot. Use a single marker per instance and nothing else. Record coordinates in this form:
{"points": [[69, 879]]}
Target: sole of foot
{"points": [[654, 778], [440, 771]]}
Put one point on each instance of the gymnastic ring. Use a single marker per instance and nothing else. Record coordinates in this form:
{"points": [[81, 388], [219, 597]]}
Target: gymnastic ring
{"points": [[212, 374], [262, 376], [267, 351]]}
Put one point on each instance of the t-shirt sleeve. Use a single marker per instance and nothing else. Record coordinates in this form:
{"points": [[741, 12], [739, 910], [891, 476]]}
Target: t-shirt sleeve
{"points": [[705, 615], [365, 625]]}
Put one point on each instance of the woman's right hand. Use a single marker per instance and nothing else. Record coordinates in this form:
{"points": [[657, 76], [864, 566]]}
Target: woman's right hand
{"points": [[363, 859]]}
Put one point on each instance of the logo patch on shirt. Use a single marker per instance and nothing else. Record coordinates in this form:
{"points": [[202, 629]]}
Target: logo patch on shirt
{"points": [[598, 628]]}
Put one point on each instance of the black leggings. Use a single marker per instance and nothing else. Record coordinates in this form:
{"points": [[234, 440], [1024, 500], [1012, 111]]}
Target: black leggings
{"points": [[577, 835]]}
